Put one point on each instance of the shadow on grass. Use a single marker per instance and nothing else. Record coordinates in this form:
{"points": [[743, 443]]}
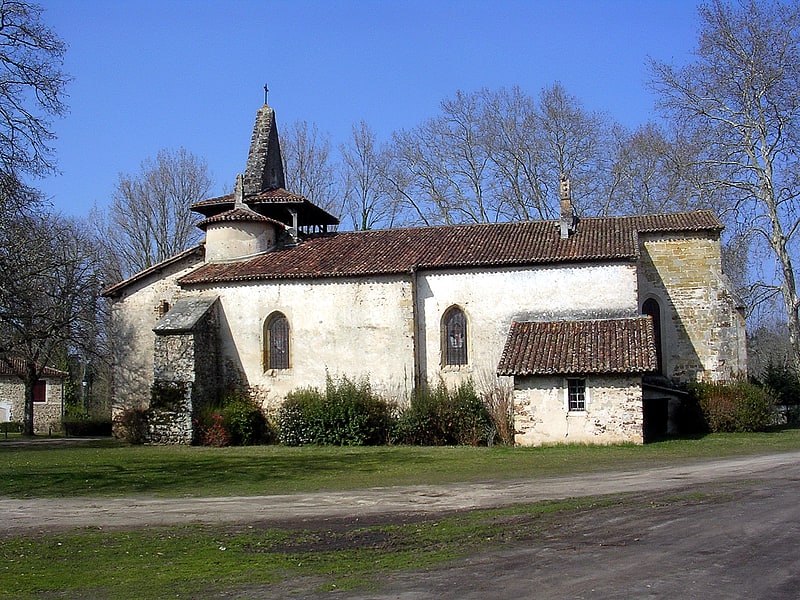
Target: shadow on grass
{"points": [[106, 470], [701, 435]]}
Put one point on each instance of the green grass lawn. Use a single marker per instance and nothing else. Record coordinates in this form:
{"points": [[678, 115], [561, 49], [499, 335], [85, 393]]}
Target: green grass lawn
{"points": [[111, 469], [198, 561]]}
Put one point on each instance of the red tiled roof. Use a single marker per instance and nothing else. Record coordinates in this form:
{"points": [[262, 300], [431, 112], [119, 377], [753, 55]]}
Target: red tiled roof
{"points": [[579, 347], [278, 195], [395, 251], [238, 215], [702, 220], [18, 369], [270, 201], [226, 199], [112, 290]]}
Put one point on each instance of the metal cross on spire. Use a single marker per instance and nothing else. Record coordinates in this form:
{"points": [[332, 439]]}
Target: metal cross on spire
{"points": [[266, 91]]}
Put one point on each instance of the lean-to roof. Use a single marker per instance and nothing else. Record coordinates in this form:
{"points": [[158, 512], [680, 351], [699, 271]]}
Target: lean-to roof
{"points": [[579, 347]]}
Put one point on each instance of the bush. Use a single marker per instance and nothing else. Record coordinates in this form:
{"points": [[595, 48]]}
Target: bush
{"points": [[785, 384], [168, 396], [442, 417], [735, 406], [236, 421], [245, 420], [297, 415], [7, 427], [499, 401], [210, 430], [347, 414], [131, 426]]}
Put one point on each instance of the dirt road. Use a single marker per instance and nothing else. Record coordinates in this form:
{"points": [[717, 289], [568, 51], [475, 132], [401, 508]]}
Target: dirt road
{"points": [[21, 515]]}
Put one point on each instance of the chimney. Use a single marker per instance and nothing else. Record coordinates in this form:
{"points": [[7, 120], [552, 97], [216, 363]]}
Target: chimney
{"points": [[569, 221], [238, 194], [293, 230]]}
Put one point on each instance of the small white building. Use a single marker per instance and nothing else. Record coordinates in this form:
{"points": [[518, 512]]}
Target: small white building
{"points": [[275, 299]]}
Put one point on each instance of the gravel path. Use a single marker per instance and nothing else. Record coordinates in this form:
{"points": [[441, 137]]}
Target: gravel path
{"points": [[30, 515]]}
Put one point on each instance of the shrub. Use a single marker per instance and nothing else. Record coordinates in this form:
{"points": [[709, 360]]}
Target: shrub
{"points": [[235, 421], [210, 430], [735, 406], [785, 384], [131, 426], [168, 396], [499, 401], [7, 427], [438, 417], [348, 413], [244, 420], [296, 417]]}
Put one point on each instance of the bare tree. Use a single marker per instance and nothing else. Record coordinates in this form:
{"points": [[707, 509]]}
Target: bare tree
{"points": [[31, 89], [447, 159], [367, 197], [653, 172], [149, 218], [517, 155], [740, 95], [48, 295], [308, 165], [494, 155], [575, 142]]}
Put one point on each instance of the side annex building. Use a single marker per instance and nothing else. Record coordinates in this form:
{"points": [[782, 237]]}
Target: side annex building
{"points": [[598, 323]]}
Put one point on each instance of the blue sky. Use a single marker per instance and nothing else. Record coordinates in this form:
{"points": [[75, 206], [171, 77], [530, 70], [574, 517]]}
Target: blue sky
{"points": [[153, 74]]}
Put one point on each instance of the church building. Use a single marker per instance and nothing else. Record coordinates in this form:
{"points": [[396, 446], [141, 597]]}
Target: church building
{"points": [[597, 323]]}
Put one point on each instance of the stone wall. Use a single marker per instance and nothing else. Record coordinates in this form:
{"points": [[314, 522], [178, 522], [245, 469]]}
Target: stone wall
{"points": [[613, 411], [186, 373], [133, 316], [702, 331], [47, 415]]}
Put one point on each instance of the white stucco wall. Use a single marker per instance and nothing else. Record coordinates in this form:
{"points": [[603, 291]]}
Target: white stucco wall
{"points": [[613, 411], [345, 327], [229, 241], [493, 299], [365, 326], [134, 315]]}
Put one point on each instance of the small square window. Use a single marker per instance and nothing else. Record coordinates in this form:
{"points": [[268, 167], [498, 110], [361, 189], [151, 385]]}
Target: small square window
{"points": [[576, 394]]}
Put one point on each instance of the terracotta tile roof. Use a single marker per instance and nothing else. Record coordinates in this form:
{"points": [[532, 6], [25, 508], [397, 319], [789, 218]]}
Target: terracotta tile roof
{"points": [[579, 347], [273, 201], [278, 195], [118, 287], [701, 220], [237, 215], [17, 368], [226, 199], [395, 251]]}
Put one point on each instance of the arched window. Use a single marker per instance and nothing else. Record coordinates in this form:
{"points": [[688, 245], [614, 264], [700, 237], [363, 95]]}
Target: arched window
{"points": [[652, 308], [276, 342], [454, 337]]}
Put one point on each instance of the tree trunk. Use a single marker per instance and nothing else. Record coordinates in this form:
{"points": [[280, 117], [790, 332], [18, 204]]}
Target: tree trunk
{"points": [[789, 293], [27, 419]]}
